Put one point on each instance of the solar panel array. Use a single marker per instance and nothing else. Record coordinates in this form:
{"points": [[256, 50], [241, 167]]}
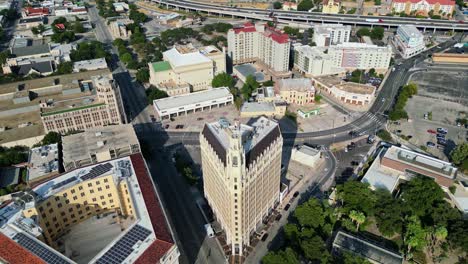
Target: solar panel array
{"points": [[124, 247], [97, 171], [65, 182], [39, 250]]}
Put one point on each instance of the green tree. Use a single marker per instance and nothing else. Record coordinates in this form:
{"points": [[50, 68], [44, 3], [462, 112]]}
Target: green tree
{"points": [[223, 80], [78, 27], [288, 256], [65, 67], [389, 213], [143, 75], [305, 5], [317, 98], [268, 83], [291, 233], [421, 194], [355, 195], [249, 86], [126, 58], [363, 32], [310, 214], [459, 153], [52, 138], [154, 93], [348, 258], [415, 235], [313, 248], [377, 33], [277, 5], [357, 217], [384, 135]]}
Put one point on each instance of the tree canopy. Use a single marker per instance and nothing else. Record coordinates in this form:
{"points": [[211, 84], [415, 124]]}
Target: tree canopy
{"points": [[305, 5], [459, 154], [249, 86], [223, 80], [286, 256], [154, 93]]}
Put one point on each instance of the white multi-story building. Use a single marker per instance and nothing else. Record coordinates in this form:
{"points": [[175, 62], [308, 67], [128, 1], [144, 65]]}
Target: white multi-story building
{"points": [[193, 102], [258, 42], [350, 56], [241, 175], [423, 7], [409, 41], [186, 66], [331, 34], [313, 61]]}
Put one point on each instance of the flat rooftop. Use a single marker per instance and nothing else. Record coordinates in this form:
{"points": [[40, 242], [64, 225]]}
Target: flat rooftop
{"points": [[43, 161], [365, 248], [79, 146], [422, 161], [254, 107], [326, 28], [178, 59], [300, 85], [192, 98], [411, 30], [313, 52], [350, 87], [67, 81], [248, 69]]}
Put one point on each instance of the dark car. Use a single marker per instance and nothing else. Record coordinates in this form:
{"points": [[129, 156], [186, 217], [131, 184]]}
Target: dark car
{"points": [[200, 118], [296, 194], [441, 141], [264, 237], [430, 144], [287, 207], [166, 126], [442, 130], [278, 217]]}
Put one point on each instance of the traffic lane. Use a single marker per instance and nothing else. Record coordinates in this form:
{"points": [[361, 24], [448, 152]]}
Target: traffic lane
{"points": [[185, 215]]}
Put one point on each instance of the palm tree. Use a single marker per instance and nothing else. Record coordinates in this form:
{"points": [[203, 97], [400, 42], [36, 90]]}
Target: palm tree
{"points": [[357, 217]]}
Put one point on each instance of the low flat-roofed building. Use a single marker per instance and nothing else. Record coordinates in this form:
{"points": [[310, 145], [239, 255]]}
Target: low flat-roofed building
{"points": [[244, 70], [305, 155], [30, 22], [193, 102], [396, 164], [267, 94], [173, 89], [450, 58], [118, 28], [295, 91], [269, 109], [331, 34], [185, 64], [308, 111], [90, 65], [345, 92], [364, 248], [99, 144], [118, 191], [43, 162]]}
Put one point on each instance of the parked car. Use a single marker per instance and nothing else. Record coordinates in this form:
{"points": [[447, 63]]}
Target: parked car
{"points": [[442, 130], [264, 237], [296, 194], [287, 207], [166, 126], [430, 144], [431, 131], [442, 136], [278, 217], [200, 119], [441, 141]]}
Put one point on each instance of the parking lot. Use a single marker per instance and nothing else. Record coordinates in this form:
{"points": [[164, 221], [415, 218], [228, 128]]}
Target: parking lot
{"points": [[442, 100]]}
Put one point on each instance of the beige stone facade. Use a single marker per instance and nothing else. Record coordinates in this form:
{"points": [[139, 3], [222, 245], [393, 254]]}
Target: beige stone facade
{"points": [[241, 171], [184, 66], [296, 91]]}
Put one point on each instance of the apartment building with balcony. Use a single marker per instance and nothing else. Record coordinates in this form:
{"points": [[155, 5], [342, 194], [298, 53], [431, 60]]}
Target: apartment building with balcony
{"points": [[259, 43], [409, 41]]}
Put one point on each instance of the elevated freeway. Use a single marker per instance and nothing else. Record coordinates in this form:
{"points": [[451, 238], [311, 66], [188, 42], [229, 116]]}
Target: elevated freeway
{"points": [[314, 17]]}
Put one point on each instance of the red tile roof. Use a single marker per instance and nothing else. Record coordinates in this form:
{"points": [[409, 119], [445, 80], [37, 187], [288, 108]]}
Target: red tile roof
{"points": [[37, 11], [154, 252], [431, 2], [276, 35], [13, 253], [163, 235], [248, 27]]}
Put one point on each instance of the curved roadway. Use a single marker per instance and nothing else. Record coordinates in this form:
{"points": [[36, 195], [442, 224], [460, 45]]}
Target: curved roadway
{"points": [[368, 123], [308, 17]]}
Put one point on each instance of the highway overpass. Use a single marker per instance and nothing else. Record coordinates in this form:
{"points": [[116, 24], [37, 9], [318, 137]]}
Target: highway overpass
{"points": [[314, 17]]}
